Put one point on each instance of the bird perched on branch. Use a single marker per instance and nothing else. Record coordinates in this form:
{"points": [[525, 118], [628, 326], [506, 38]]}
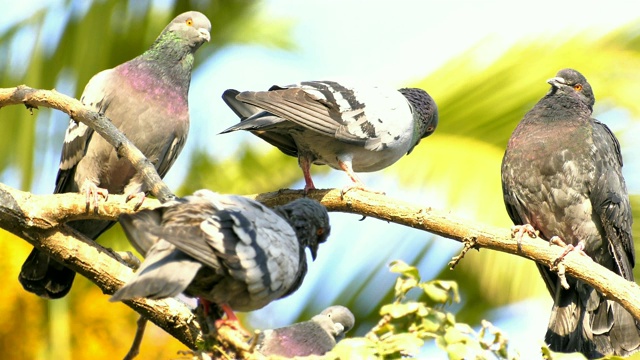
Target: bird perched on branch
{"points": [[223, 249], [562, 175], [147, 99], [313, 337], [361, 129]]}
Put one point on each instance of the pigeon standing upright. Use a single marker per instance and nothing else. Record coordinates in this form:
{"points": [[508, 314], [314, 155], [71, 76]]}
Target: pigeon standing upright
{"points": [[223, 249], [361, 129], [147, 99], [562, 175], [314, 337]]}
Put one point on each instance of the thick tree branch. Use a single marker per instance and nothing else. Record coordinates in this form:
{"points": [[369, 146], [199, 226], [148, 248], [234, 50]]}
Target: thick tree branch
{"points": [[32, 98], [31, 217], [480, 236], [47, 211]]}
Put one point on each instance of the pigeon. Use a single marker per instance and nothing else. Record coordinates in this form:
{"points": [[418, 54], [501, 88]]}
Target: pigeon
{"points": [[313, 337], [562, 175], [361, 129], [146, 98], [223, 249]]}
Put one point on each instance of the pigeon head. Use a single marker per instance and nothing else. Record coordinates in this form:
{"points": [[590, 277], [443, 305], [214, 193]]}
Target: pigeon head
{"points": [[573, 83], [342, 317], [310, 220], [191, 28], [425, 113]]}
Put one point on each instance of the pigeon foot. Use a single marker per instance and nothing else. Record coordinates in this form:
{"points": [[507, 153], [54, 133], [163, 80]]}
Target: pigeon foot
{"points": [[92, 192], [140, 197], [231, 321], [567, 248], [518, 231]]}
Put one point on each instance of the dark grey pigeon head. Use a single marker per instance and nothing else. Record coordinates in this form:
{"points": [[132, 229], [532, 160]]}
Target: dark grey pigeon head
{"points": [[310, 220], [573, 83], [425, 113]]}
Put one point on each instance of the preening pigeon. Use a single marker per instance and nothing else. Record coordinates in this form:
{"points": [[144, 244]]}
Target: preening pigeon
{"points": [[147, 99], [224, 249], [314, 337], [562, 174], [352, 129]]}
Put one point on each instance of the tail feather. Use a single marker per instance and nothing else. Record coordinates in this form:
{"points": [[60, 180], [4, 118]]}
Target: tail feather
{"points": [[582, 320], [166, 272], [48, 278], [45, 277]]}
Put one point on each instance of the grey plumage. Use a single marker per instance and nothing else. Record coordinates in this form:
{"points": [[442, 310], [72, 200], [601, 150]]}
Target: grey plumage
{"points": [[313, 337], [224, 249], [147, 99], [562, 173], [354, 129]]}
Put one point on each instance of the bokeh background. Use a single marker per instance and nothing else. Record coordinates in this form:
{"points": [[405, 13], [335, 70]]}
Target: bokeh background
{"points": [[485, 63]]}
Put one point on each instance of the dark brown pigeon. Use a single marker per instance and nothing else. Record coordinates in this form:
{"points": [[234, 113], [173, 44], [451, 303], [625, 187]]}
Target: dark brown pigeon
{"points": [[147, 99], [223, 249], [562, 174], [314, 337]]}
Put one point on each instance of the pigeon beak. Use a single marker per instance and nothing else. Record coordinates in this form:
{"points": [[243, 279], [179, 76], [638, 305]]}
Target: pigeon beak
{"points": [[204, 33], [314, 251], [556, 81]]}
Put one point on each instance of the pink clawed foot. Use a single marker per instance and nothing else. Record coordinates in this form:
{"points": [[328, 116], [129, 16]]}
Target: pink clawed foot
{"points": [[231, 321], [357, 183], [567, 248], [518, 231], [92, 193], [140, 197]]}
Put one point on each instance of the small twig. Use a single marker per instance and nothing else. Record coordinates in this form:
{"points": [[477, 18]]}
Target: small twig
{"points": [[468, 244], [141, 324]]}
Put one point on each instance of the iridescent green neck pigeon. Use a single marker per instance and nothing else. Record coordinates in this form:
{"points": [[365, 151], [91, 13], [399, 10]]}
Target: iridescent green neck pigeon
{"points": [[314, 337], [147, 99], [223, 249], [562, 174], [353, 129]]}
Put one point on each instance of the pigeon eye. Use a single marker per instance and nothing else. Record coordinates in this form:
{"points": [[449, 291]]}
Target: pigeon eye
{"points": [[577, 87], [320, 231], [430, 129], [189, 22]]}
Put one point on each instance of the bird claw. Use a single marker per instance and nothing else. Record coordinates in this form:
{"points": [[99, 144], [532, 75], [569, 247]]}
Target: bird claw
{"points": [[308, 187], [92, 192], [518, 231], [128, 258], [359, 186], [231, 321], [555, 240], [140, 196]]}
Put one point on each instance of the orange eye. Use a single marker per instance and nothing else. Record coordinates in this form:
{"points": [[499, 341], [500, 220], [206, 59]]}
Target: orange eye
{"points": [[577, 87], [320, 231], [189, 22]]}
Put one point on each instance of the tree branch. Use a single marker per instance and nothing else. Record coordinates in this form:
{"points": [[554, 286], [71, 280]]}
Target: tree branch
{"points": [[478, 235], [35, 218], [32, 98]]}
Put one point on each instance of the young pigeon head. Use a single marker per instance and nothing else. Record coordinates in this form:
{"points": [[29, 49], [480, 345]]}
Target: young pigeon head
{"points": [[310, 220], [573, 83], [191, 27], [425, 113]]}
